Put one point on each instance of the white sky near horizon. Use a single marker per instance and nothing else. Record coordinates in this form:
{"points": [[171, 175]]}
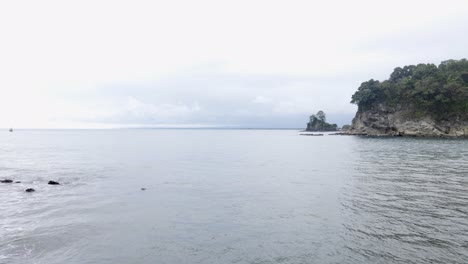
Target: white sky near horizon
{"points": [[93, 64]]}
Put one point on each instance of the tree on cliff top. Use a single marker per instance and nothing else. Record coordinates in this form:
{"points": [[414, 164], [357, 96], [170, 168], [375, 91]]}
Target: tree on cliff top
{"points": [[321, 116], [441, 91]]}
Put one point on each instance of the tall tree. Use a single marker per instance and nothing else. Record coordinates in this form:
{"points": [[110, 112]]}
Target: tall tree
{"points": [[312, 118], [321, 116]]}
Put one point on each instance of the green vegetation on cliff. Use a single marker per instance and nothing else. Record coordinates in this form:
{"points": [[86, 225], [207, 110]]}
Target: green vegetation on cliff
{"points": [[440, 91]]}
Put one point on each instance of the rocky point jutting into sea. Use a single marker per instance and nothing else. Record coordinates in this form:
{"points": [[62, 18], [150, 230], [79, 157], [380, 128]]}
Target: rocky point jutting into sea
{"points": [[423, 100]]}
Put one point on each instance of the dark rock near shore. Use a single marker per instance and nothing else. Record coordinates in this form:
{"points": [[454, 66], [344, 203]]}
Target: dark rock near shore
{"points": [[53, 183], [6, 181], [313, 135], [30, 190], [17, 181]]}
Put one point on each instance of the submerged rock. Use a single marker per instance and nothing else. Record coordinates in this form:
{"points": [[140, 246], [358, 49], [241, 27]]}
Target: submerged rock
{"points": [[30, 190], [6, 181], [143, 189], [17, 181], [53, 183]]}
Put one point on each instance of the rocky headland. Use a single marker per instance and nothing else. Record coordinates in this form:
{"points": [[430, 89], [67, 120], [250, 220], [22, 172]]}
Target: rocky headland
{"points": [[420, 101]]}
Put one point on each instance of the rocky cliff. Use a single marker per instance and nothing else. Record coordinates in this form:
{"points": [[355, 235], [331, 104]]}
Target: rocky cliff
{"points": [[382, 120]]}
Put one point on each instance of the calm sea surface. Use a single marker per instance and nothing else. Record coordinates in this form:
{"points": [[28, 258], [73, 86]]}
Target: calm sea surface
{"points": [[231, 196]]}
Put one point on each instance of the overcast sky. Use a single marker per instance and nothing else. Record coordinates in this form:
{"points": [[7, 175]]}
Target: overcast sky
{"points": [[86, 64]]}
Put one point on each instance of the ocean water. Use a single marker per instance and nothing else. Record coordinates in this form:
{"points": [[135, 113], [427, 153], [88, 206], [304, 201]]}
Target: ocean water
{"points": [[231, 196]]}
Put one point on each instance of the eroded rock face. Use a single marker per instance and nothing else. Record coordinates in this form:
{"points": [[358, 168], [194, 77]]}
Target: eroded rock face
{"points": [[401, 121]]}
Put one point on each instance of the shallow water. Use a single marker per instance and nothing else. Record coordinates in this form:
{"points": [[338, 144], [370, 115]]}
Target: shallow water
{"points": [[231, 196]]}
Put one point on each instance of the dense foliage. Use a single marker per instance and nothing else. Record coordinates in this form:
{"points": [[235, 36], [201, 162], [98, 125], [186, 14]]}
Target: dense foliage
{"points": [[318, 123], [441, 91]]}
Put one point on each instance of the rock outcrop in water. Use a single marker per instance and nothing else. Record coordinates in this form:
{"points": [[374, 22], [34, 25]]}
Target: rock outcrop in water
{"points": [[30, 190], [53, 183], [6, 181], [317, 123], [423, 100]]}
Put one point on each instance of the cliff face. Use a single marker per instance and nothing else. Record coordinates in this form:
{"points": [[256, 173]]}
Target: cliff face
{"points": [[402, 121]]}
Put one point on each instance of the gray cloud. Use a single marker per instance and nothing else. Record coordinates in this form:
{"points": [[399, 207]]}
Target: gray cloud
{"points": [[240, 63], [223, 99]]}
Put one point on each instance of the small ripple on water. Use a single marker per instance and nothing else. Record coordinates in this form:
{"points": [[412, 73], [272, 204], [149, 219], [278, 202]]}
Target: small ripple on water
{"points": [[366, 201], [413, 202]]}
